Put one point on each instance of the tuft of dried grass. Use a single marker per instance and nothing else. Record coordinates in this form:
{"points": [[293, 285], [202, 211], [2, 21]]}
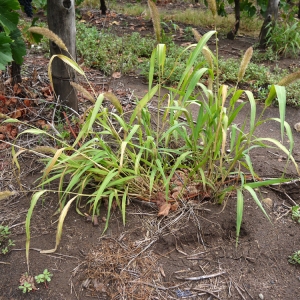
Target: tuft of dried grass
{"points": [[115, 268], [50, 35], [6, 194]]}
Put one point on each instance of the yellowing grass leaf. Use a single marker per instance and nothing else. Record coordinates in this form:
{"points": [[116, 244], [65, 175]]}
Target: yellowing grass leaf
{"points": [[239, 213], [71, 63], [52, 162], [59, 226]]}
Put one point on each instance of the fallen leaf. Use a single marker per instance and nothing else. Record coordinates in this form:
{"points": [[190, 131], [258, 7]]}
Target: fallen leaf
{"points": [[17, 113], [174, 206], [115, 23], [164, 209], [2, 98], [27, 102], [99, 286], [17, 89], [160, 199]]}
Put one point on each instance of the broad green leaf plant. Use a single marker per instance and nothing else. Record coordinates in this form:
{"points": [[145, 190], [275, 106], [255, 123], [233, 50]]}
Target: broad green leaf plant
{"points": [[12, 46], [117, 156]]}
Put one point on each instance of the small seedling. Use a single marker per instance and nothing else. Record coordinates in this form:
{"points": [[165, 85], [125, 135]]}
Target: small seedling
{"points": [[27, 283], [295, 258], [4, 244], [26, 287], [44, 277], [296, 213]]}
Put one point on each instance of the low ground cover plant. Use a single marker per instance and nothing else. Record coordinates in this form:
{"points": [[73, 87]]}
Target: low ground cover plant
{"points": [[27, 282], [166, 154], [5, 242], [295, 258]]}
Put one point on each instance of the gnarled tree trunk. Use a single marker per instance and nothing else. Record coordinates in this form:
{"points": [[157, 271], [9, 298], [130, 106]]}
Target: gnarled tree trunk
{"points": [[61, 20], [269, 22], [103, 7]]}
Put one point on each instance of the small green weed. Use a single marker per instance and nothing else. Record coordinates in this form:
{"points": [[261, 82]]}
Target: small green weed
{"points": [[44, 277], [27, 282], [295, 258], [296, 213], [26, 287], [5, 242]]}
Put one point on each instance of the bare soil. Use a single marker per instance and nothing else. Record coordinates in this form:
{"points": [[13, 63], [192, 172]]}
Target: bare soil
{"points": [[191, 254]]}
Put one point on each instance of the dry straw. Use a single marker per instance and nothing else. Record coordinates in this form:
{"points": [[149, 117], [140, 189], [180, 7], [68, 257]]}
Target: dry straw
{"points": [[155, 19], [244, 64], [6, 194], [289, 79], [50, 35]]}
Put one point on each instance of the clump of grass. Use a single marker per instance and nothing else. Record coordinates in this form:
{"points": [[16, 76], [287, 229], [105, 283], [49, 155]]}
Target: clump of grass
{"points": [[126, 155], [284, 38]]}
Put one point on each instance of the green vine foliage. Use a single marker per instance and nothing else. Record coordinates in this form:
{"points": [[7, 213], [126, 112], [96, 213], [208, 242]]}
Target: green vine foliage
{"points": [[12, 46], [245, 5]]}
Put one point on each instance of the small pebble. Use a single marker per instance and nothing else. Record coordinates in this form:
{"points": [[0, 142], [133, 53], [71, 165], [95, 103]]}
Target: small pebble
{"points": [[261, 296], [268, 202], [297, 126]]}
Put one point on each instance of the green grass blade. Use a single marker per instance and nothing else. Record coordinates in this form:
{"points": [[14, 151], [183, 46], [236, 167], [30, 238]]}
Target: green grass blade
{"points": [[281, 96], [111, 197], [239, 213], [112, 173], [124, 200], [142, 103], [253, 111], [254, 196]]}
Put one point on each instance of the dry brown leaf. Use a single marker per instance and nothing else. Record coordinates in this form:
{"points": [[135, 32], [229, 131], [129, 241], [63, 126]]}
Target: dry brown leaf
{"points": [[174, 206], [164, 209], [17, 89], [2, 98], [27, 102], [160, 199], [99, 286], [17, 113]]}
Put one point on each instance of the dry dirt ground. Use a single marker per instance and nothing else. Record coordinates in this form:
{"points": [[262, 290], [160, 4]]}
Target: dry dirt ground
{"points": [[191, 254]]}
